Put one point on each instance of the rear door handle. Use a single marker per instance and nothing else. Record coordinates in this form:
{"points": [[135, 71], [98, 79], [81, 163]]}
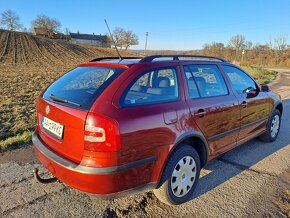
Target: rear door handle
{"points": [[200, 113], [244, 104], [170, 117]]}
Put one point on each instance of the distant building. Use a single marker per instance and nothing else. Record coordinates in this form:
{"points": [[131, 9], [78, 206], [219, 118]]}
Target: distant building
{"points": [[50, 34], [88, 39], [42, 32]]}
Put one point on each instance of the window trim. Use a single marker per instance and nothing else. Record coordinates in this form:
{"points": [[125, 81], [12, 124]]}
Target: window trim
{"points": [[200, 97], [126, 90], [231, 84]]}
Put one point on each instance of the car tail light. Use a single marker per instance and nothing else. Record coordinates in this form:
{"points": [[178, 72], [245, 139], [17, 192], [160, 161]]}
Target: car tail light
{"points": [[101, 133]]}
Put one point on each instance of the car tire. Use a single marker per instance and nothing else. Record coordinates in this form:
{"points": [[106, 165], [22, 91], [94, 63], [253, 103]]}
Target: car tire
{"points": [[273, 127], [180, 176]]}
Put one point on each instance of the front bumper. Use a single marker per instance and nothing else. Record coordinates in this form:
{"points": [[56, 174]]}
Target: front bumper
{"points": [[102, 181]]}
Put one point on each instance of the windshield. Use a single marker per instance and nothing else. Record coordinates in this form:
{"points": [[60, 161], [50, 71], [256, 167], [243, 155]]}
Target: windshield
{"points": [[81, 86]]}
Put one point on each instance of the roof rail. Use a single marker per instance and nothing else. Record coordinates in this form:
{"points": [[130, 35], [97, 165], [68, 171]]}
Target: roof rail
{"points": [[176, 57], [113, 58]]}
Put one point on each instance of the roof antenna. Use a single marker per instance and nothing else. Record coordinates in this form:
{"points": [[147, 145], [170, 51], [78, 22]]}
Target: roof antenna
{"points": [[113, 40]]}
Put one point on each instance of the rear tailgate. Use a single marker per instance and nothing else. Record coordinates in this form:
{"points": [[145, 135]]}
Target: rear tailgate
{"points": [[61, 128], [63, 107]]}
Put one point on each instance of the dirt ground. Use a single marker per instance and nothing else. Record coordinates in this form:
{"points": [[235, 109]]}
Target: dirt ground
{"points": [[281, 198]]}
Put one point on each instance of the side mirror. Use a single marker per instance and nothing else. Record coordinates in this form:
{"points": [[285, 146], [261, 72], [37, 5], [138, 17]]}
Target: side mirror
{"points": [[251, 92], [264, 88]]}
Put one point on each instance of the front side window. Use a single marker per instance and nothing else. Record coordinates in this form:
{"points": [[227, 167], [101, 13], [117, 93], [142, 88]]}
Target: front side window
{"points": [[153, 86], [241, 82], [205, 81]]}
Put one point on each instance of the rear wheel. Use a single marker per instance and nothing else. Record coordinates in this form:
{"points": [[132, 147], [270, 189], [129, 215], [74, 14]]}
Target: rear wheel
{"points": [[273, 127], [180, 176]]}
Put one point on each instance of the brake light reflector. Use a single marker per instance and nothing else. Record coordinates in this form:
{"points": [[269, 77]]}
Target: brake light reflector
{"points": [[101, 133], [99, 136]]}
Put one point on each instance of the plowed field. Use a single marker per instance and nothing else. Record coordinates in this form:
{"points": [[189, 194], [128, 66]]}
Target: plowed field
{"points": [[28, 64]]}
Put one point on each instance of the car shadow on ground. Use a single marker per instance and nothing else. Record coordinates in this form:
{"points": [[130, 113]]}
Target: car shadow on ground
{"points": [[243, 157]]}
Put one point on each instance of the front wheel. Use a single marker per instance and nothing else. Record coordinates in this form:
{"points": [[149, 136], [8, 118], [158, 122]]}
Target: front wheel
{"points": [[180, 176], [273, 127]]}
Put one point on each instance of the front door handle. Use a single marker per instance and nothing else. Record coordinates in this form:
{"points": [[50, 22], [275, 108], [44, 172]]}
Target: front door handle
{"points": [[244, 104], [200, 113]]}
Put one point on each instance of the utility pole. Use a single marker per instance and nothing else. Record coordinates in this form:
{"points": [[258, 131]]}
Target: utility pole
{"points": [[243, 53], [146, 43]]}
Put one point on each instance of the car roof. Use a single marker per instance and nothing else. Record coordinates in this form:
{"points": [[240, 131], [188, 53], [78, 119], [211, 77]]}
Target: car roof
{"points": [[127, 62], [124, 61]]}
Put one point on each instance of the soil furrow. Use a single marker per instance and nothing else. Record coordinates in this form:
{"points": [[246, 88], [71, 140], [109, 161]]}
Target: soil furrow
{"points": [[66, 51], [4, 52], [22, 50], [15, 49]]}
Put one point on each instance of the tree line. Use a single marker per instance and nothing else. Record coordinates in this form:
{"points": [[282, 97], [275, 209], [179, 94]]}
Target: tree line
{"points": [[275, 52], [11, 21]]}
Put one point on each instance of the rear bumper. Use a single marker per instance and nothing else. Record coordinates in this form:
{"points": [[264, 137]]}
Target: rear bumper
{"points": [[106, 181]]}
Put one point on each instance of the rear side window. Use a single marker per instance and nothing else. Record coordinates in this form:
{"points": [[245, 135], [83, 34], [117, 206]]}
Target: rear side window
{"points": [[241, 82], [153, 86], [205, 81], [80, 87]]}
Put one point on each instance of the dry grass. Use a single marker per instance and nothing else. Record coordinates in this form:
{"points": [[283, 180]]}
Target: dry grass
{"points": [[14, 141], [261, 75], [283, 203], [285, 206], [282, 198]]}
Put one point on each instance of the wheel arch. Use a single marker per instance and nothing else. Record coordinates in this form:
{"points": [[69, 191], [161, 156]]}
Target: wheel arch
{"points": [[279, 107], [197, 141], [194, 139]]}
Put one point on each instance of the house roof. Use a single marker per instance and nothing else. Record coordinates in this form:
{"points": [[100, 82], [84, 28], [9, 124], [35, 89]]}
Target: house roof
{"points": [[88, 36]]}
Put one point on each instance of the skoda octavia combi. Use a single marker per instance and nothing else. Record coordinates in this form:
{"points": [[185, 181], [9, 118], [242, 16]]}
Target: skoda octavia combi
{"points": [[116, 126]]}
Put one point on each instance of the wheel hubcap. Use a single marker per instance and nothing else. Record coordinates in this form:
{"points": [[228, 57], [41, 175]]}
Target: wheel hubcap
{"points": [[183, 176], [275, 126]]}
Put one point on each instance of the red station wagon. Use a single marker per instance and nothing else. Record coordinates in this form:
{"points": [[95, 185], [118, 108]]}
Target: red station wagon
{"points": [[110, 127]]}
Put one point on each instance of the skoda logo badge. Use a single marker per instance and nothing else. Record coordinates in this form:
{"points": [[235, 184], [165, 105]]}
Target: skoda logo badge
{"points": [[47, 109]]}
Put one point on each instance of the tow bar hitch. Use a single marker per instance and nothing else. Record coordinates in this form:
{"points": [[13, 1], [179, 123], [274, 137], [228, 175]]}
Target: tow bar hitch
{"points": [[41, 180]]}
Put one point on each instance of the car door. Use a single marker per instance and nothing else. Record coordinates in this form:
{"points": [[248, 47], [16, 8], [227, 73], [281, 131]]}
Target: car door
{"points": [[254, 105], [213, 106], [151, 105]]}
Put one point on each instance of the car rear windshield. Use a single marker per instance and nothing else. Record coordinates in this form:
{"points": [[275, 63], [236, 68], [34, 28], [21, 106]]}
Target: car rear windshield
{"points": [[80, 87]]}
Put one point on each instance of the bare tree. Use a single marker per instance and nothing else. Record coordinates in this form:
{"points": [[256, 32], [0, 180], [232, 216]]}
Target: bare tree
{"points": [[270, 44], [67, 31], [124, 38], [237, 42], [45, 22], [248, 45], [118, 36], [280, 43], [214, 48], [130, 39], [10, 20]]}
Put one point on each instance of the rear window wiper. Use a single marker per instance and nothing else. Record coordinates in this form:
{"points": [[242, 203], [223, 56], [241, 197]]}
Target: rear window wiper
{"points": [[63, 100]]}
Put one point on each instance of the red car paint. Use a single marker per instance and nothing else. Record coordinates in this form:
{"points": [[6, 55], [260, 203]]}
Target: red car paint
{"points": [[145, 134]]}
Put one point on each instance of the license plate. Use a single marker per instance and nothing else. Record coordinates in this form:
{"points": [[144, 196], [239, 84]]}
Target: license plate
{"points": [[52, 127]]}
